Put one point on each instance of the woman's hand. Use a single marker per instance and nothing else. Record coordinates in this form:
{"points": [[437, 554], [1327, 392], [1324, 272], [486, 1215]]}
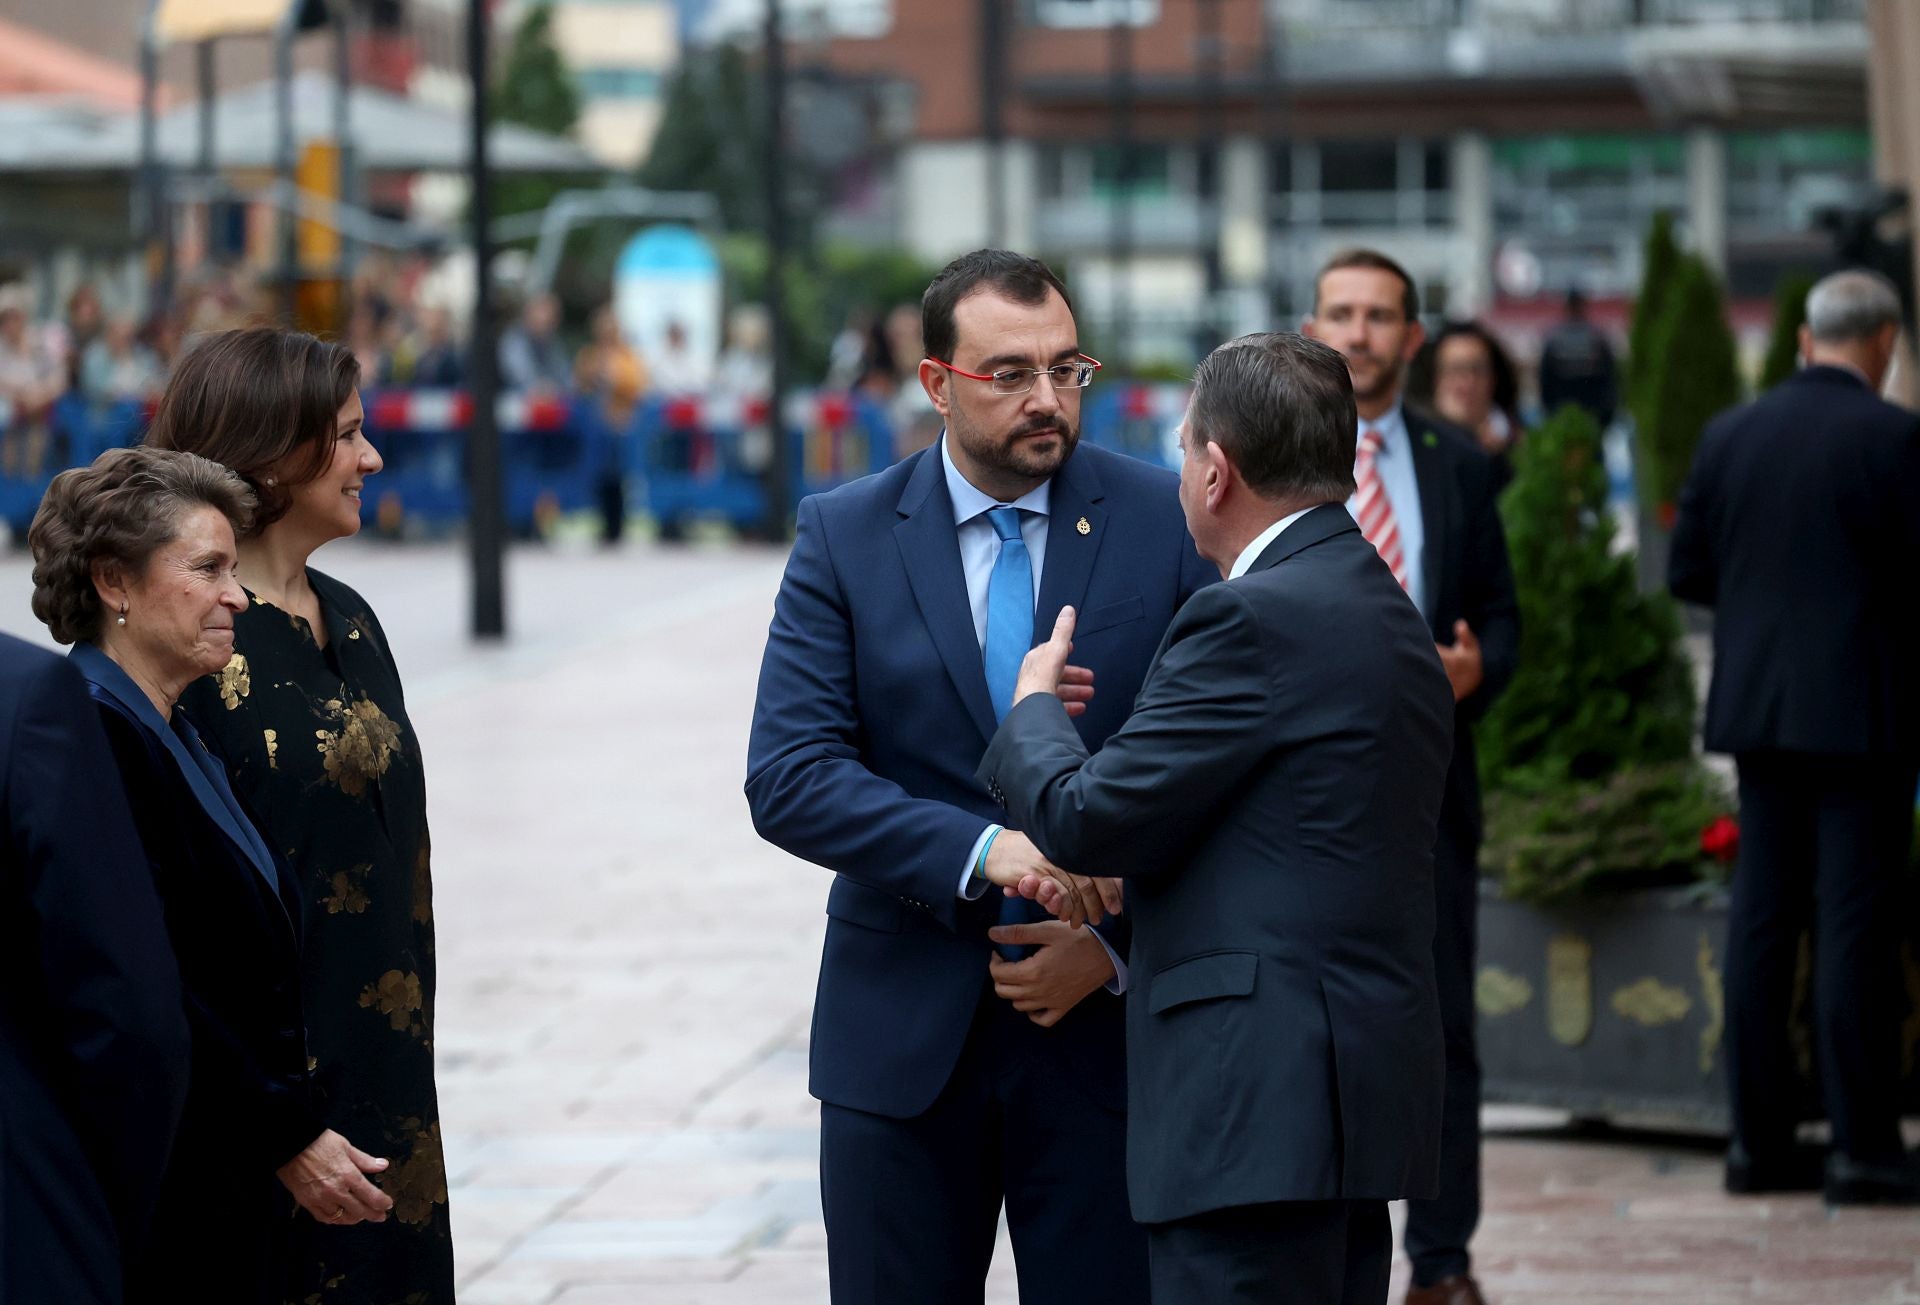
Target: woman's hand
{"points": [[328, 1179]]}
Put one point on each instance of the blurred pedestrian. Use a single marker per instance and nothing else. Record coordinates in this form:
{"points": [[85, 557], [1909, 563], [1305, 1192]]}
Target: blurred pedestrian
{"points": [[93, 1039], [1426, 500], [1799, 526], [133, 564], [32, 378], [746, 364], [1577, 367], [676, 366], [84, 323], [437, 360], [312, 721], [531, 355], [1464, 375], [608, 371], [118, 368]]}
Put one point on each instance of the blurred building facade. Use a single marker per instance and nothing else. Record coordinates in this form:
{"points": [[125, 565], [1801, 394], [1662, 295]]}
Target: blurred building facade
{"points": [[621, 53], [1506, 150]]}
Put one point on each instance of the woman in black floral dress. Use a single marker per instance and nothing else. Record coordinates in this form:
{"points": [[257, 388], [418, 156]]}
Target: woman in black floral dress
{"points": [[311, 721]]}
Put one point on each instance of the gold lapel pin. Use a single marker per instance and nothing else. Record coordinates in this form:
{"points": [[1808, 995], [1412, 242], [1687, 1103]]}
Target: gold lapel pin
{"points": [[1083, 526]]}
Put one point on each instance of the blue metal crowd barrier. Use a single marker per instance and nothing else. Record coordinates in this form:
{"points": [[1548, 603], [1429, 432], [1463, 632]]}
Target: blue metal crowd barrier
{"points": [[698, 457], [77, 432], [706, 457]]}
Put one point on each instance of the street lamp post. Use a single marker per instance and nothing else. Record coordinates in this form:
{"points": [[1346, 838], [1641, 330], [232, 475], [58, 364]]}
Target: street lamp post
{"points": [[486, 515], [1120, 236], [775, 171]]}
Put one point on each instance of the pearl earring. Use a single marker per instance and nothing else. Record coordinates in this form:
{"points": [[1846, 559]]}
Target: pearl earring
{"points": [[123, 615], [269, 482]]}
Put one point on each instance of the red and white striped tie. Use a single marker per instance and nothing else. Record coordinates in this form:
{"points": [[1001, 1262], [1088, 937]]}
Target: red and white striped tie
{"points": [[1373, 509]]}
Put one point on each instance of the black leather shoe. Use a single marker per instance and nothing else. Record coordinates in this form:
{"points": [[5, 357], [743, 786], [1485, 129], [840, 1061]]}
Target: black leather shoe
{"points": [[1795, 1169], [1894, 1181]]}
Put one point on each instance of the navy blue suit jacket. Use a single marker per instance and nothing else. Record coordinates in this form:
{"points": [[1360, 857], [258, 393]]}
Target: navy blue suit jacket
{"points": [[871, 716], [1273, 804], [232, 913], [1800, 527], [93, 1042]]}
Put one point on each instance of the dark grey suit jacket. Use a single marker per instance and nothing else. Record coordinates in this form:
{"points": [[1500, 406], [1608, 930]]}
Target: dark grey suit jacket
{"points": [[1272, 803]]}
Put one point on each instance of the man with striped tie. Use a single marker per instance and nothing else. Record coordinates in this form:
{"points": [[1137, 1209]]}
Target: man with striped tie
{"points": [[1425, 498]]}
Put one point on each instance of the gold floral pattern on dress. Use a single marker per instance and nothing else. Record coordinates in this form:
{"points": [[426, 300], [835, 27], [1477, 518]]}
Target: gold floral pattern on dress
{"points": [[419, 1182], [422, 887], [360, 750], [397, 995], [273, 748], [236, 682], [349, 891]]}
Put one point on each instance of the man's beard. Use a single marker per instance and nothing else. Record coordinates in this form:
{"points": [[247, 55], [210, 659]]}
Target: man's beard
{"points": [[1385, 384], [1013, 453]]}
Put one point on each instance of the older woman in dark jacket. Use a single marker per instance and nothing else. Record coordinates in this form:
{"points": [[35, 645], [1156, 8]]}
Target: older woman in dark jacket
{"points": [[134, 564]]}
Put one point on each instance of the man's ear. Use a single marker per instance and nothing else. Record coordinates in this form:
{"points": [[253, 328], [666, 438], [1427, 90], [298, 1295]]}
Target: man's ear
{"points": [[1416, 336], [1217, 478], [1806, 343], [936, 380]]}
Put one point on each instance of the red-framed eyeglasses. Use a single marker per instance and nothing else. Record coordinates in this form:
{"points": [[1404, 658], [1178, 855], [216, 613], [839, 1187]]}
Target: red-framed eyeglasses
{"points": [[1018, 380]]}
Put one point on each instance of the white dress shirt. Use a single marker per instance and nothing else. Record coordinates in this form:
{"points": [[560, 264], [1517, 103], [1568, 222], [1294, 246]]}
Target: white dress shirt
{"points": [[1251, 553], [1394, 464], [979, 550]]}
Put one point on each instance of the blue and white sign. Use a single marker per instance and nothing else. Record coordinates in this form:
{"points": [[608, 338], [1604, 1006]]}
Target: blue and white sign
{"points": [[669, 277]]}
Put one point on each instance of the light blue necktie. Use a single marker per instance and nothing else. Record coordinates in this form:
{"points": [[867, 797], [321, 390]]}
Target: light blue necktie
{"points": [[1009, 636], [1009, 610]]}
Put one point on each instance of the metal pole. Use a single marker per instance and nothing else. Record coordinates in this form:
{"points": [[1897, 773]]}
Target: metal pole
{"points": [[289, 257], [1210, 58], [343, 131], [152, 209], [486, 527], [209, 89], [775, 168], [1279, 261], [1120, 240], [993, 127]]}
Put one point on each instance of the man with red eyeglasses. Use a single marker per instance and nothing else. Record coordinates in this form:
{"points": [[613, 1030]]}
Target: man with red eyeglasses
{"points": [[967, 1051]]}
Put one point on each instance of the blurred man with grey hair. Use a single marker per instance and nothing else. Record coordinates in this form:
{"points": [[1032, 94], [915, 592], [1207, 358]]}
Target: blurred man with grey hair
{"points": [[1800, 527]]}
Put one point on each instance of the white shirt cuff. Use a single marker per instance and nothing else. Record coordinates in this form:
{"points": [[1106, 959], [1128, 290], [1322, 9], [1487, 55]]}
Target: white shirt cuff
{"points": [[1117, 985], [972, 889]]}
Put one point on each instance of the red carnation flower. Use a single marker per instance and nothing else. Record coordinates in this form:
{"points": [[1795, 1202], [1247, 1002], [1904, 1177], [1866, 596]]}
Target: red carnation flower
{"points": [[1721, 839]]}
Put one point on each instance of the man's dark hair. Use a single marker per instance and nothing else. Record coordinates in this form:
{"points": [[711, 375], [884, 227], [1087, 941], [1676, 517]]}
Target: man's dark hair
{"points": [[1379, 262], [1281, 406], [1019, 278]]}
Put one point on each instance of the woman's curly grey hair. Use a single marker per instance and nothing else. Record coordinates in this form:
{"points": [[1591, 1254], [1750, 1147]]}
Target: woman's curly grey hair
{"points": [[122, 509]]}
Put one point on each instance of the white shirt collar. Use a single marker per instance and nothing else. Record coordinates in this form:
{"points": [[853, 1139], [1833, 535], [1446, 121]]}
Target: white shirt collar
{"points": [[1251, 553], [1392, 425], [969, 500]]}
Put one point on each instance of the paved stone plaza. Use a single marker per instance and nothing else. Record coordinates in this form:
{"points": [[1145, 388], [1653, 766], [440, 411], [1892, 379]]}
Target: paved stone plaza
{"points": [[626, 971]]}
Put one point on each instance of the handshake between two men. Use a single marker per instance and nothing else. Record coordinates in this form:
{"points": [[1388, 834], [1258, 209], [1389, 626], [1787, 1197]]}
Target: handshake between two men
{"points": [[1021, 869]]}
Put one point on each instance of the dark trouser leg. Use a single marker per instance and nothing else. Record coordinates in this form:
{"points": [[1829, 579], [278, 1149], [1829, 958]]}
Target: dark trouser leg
{"points": [[912, 1205], [1064, 1166], [1439, 1230], [1282, 1253], [1772, 901], [1864, 832]]}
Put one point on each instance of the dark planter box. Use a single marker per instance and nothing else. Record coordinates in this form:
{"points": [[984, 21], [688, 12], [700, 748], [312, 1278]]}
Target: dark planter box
{"points": [[1616, 1006]]}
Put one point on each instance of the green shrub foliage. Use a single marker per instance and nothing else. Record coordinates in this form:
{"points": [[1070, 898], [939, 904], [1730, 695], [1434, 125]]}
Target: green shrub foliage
{"points": [[1789, 314], [1637, 828], [1692, 373], [1587, 758], [1660, 258], [1603, 682]]}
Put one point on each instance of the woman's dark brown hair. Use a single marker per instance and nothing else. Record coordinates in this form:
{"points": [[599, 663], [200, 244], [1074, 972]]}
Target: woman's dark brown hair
{"points": [[123, 509], [261, 401]]}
